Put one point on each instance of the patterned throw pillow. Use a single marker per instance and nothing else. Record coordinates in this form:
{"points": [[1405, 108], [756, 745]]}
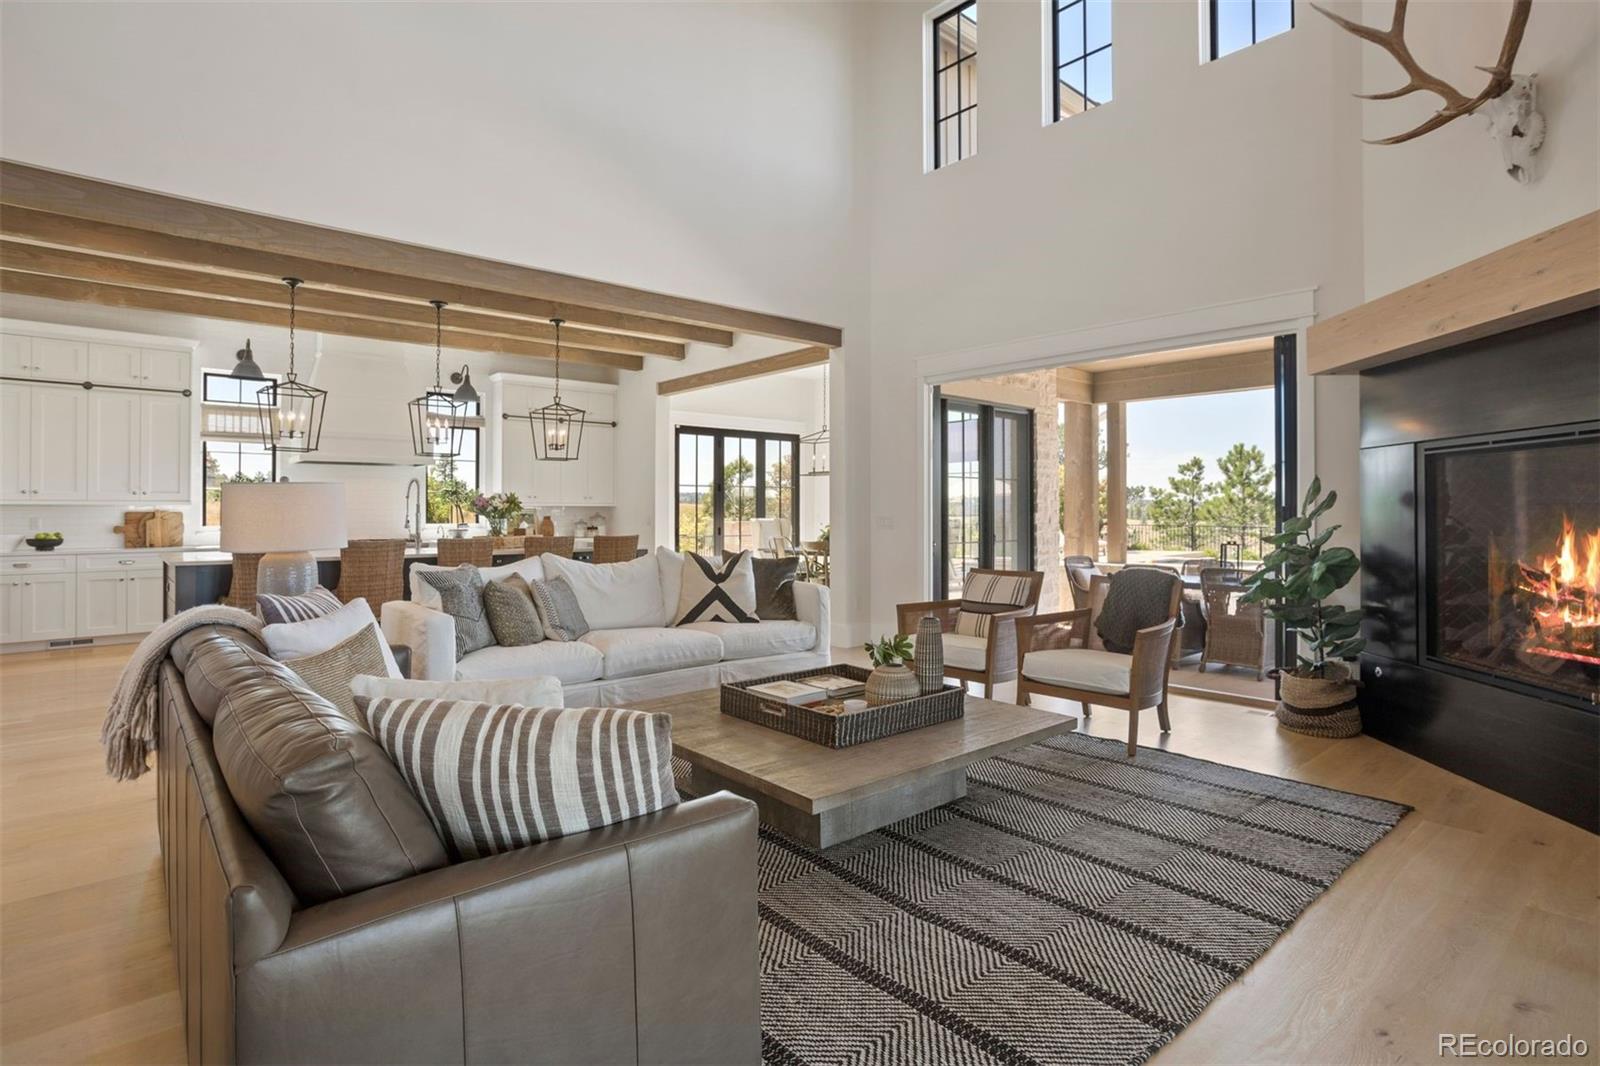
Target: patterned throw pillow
{"points": [[973, 624], [559, 611], [563, 770], [718, 591], [512, 616], [775, 588], [329, 673], [314, 604], [985, 595], [461, 597]]}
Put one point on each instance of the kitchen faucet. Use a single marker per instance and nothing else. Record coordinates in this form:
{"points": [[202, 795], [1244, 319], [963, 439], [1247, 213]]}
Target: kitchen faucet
{"points": [[414, 512]]}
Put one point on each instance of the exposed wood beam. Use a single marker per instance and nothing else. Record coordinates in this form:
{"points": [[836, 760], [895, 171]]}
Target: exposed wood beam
{"points": [[66, 263], [73, 290], [755, 368], [79, 197], [144, 244], [1543, 277], [1189, 377], [1074, 386]]}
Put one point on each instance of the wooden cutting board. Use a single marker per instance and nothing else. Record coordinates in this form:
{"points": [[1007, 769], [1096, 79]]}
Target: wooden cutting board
{"points": [[151, 529]]}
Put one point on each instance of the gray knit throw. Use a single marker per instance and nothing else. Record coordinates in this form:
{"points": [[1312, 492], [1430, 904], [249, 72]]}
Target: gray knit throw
{"points": [[1138, 598]]}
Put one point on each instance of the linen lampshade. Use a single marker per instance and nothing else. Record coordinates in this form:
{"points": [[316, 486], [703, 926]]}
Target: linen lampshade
{"points": [[282, 516], [285, 521]]}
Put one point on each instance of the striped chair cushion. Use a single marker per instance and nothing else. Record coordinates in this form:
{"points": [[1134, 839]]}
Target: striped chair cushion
{"points": [[497, 777], [989, 593], [314, 604]]}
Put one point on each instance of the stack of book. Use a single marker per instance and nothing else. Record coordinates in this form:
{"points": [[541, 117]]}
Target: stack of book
{"points": [[808, 690]]}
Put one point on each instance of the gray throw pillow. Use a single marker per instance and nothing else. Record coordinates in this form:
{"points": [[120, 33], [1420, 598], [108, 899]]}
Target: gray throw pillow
{"points": [[775, 588], [461, 597], [559, 612], [512, 616]]}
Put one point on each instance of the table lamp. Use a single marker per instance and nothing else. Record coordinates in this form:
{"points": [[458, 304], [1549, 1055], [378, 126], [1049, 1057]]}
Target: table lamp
{"points": [[285, 521]]}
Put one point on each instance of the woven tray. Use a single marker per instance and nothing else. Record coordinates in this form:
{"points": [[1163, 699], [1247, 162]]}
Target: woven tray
{"points": [[841, 730]]}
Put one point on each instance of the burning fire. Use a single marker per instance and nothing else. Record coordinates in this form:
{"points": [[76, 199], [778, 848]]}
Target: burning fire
{"points": [[1565, 593]]}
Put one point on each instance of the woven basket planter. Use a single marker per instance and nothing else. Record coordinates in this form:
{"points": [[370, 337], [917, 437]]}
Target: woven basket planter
{"points": [[1319, 707]]}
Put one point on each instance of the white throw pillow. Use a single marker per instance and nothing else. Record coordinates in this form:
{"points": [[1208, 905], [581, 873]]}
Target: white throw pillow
{"points": [[288, 641], [540, 691], [425, 595], [614, 595], [718, 590]]}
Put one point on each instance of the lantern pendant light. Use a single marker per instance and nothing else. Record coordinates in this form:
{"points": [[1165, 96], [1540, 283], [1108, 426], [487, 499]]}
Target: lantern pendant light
{"points": [[291, 412], [557, 427], [820, 438], [437, 416]]}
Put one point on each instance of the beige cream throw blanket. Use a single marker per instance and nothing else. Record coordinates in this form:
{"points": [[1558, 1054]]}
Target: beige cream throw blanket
{"points": [[129, 733]]}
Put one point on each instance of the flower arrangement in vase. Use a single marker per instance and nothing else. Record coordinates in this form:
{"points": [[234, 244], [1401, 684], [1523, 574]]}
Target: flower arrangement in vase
{"points": [[499, 509], [891, 679]]}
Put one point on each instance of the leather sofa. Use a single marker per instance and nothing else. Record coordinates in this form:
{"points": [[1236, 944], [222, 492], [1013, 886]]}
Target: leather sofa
{"points": [[631, 943], [633, 651]]}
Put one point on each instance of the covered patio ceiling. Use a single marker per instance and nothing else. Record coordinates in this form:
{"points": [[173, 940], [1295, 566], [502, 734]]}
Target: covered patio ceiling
{"points": [[66, 237]]}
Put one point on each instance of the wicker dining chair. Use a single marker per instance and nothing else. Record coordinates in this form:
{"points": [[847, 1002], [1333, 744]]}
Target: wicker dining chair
{"points": [[562, 546], [1235, 632], [615, 549], [372, 570], [242, 585], [479, 551], [1081, 569], [1196, 567]]}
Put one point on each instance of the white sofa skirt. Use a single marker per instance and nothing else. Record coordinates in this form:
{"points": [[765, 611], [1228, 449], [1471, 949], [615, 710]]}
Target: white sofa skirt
{"points": [[626, 690]]}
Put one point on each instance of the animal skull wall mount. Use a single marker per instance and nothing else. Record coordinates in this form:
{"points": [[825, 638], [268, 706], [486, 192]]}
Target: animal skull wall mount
{"points": [[1509, 101]]}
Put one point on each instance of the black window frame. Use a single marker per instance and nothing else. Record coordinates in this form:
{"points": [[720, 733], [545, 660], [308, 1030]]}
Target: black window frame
{"points": [[206, 443], [954, 116], [1255, 37], [207, 375], [1027, 550], [719, 485], [1058, 63], [476, 461]]}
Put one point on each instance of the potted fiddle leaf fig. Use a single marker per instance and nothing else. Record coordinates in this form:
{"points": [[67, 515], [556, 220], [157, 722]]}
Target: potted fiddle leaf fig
{"points": [[1317, 695], [890, 679]]}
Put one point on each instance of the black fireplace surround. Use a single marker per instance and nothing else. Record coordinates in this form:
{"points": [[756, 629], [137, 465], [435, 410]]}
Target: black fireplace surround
{"points": [[1480, 536]]}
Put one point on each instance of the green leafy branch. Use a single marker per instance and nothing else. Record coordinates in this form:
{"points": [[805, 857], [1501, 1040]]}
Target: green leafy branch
{"points": [[889, 651]]}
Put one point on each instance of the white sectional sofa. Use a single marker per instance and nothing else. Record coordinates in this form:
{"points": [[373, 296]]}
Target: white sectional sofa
{"points": [[632, 650]]}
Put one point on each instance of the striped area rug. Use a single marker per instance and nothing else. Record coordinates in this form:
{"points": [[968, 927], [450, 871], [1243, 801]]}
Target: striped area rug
{"points": [[1075, 907]]}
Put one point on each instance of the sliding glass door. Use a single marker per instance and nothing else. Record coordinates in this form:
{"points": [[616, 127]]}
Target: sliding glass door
{"points": [[731, 485], [986, 491]]}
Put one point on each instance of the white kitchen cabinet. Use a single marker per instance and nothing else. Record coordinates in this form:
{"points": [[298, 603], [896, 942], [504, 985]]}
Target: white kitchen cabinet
{"points": [[16, 356], [13, 443], [146, 601], [58, 442], [10, 610], [163, 446], [115, 364], [48, 608], [60, 360], [102, 605], [587, 481], [163, 369], [114, 455]]}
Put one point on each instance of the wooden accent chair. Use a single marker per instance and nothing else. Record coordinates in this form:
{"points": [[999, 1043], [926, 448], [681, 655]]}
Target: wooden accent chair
{"points": [[1063, 656], [980, 635], [373, 570], [242, 585], [1080, 569], [615, 549], [1235, 632], [562, 546], [479, 551]]}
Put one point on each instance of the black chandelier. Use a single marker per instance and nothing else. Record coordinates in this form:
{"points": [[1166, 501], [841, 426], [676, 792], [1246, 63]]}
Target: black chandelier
{"points": [[557, 427], [291, 412], [437, 417]]}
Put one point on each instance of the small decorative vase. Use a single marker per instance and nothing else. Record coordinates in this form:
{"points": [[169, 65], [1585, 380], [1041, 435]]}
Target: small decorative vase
{"points": [[1319, 706], [930, 655], [547, 526], [887, 684]]}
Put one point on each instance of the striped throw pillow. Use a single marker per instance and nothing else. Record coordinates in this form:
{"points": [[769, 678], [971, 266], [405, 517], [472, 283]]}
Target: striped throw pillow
{"points": [[997, 592], [314, 604], [497, 777]]}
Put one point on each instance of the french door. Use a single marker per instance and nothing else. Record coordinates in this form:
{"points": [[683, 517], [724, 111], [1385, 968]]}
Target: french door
{"points": [[733, 484], [1286, 428], [985, 503]]}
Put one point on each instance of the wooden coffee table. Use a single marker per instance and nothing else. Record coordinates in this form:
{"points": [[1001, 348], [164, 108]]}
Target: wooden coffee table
{"points": [[823, 796]]}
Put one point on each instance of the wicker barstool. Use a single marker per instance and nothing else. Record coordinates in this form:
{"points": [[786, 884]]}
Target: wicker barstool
{"points": [[373, 570], [618, 549], [479, 551], [242, 585], [1235, 632], [535, 546]]}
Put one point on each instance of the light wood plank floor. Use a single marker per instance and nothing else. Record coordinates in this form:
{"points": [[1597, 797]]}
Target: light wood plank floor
{"points": [[1477, 914]]}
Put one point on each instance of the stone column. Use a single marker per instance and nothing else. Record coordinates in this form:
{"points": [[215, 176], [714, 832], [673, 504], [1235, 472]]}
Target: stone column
{"points": [[1080, 480], [1116, 482]]}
